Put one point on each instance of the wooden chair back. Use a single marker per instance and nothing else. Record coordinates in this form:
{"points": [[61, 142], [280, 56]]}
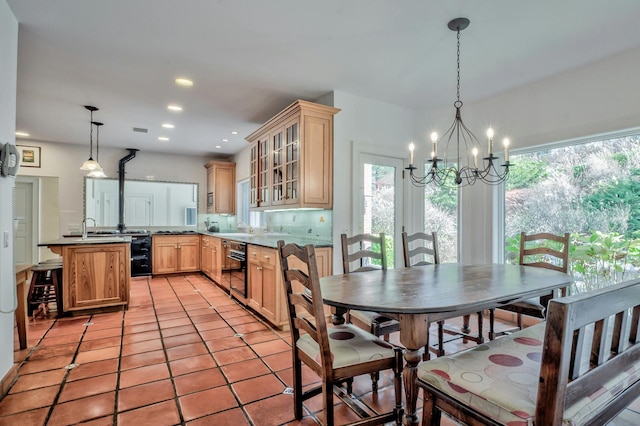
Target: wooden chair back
{"points": [[423, 245], [304, 300], [540, 250], [542, 254], [363, 252]]}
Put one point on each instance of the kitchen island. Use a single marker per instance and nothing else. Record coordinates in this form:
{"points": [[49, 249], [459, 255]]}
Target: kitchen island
{"points": [[95, 272]]}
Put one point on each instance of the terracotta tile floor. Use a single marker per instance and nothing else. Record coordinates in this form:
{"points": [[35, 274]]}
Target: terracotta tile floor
{"points": [[184, 353]]}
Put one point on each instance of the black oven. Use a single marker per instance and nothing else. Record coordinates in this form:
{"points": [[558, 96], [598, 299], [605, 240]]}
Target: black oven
{"points": [[237, 269]]}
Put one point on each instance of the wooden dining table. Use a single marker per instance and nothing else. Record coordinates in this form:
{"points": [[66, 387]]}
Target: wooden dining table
{"points": [[421, 295]]}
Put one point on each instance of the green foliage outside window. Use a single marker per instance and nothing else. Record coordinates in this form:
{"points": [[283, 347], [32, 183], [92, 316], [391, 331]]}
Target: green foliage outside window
{"points": [[591, 191]]}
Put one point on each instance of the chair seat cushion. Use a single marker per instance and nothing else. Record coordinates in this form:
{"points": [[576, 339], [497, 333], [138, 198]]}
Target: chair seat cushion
{"points": [[349, 345], [529, 304], [369, 318], [500, 379]]}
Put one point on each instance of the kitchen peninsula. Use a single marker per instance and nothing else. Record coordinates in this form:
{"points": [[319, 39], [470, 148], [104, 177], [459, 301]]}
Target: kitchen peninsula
{"points": [[96, 272]]}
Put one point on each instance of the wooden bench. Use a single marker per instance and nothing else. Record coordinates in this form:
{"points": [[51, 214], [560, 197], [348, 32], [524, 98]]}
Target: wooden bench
{"points": [[580, 367]]}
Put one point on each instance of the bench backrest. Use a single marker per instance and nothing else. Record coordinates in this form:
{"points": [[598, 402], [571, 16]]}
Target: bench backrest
{"points": [[588, 338]]}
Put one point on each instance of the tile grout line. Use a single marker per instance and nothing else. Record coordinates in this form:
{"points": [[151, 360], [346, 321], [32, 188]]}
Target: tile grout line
{"points": [[67, 373], [211, 305], [274, 373]]}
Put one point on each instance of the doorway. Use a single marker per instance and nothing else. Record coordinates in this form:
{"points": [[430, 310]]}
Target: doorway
{"points": [[380, 202], [25, 226]]}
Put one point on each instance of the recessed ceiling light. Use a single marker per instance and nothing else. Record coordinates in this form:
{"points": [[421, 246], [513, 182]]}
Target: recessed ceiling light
{"points": [[176, 108], [168, 125], [23, 134], [163, 138], [234, 132], [181, 81], [218, 146], [225, 140]]}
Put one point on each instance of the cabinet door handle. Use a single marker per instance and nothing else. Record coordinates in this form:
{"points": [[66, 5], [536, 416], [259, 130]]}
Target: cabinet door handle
{"points": [[267, 257], [259, 268]]}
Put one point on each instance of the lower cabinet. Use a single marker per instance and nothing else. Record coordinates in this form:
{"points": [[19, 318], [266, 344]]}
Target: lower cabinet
{"points": [[95, 276], [265, 287], [211, 254], [175, 253]]}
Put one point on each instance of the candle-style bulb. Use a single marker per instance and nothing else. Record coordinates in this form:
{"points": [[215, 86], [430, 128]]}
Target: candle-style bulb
{"points": [[434, 137], [506, 142], [490, 143], [411, 148], [474, 151]]}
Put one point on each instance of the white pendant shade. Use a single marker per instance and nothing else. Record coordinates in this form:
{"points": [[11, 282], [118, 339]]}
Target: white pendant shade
{"points": [[98, 173], [90, 165]]}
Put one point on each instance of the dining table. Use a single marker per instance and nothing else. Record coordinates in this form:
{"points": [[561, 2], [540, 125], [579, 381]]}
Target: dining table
{"points": [[421, 295]]}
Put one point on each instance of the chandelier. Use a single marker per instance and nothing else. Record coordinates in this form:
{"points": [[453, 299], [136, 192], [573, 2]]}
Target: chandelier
{"points": [[91, 165], [459, 164]]}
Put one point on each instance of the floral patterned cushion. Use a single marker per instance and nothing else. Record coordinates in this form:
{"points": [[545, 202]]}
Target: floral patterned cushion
{"points": [[500, 379], [349, 345]]}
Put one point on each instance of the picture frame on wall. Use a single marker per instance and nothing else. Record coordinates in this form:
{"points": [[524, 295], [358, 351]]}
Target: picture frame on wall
{"points": [[29, 156]]}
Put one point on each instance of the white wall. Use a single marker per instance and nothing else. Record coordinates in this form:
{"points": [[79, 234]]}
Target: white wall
{"points": [[64, 161], [369, 125], [8, 76]]}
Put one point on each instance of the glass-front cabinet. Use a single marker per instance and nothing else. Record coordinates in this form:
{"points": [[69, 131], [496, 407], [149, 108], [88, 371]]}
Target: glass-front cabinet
{"points": [[259, 172], [291, 158]]}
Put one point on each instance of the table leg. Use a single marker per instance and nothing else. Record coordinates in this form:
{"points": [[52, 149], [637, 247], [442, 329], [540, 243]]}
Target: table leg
{"points": [[337, 315], [21, 309], [413, 336]]}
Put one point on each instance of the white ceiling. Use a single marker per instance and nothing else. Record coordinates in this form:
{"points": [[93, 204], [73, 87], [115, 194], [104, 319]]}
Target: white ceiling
{"points": [[251, 58]]}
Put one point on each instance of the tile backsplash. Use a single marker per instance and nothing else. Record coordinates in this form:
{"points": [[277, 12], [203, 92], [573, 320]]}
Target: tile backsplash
{"points": [[313, 224]]}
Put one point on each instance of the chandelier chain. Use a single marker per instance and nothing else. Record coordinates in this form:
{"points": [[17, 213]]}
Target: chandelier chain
{"points": [[458, 86]]}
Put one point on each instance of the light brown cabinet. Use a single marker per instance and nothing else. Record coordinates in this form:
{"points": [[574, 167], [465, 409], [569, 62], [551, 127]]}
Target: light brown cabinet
{"points": [[262, 265], [95, 276], [175, 253], [211, 258], [291, 158], [221, 187], [265, 287]]}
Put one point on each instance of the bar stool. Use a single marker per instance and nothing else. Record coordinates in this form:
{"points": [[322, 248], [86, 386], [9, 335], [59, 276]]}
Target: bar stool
{"points": [[45, 287]]}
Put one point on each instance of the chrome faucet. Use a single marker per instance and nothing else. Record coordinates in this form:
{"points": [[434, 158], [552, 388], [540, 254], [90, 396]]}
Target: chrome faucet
{"points": [[84, 226]]}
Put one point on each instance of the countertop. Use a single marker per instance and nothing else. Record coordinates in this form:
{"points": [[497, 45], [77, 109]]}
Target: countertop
{"points": [[265, 240], [268, 239], [74, 241]]}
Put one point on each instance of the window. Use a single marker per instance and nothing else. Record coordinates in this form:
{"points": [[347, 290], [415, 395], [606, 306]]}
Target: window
{"points": [[591, 190], [441, 216]]}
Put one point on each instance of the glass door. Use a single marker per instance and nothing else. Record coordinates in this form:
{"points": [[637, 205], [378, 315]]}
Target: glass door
{"points": [[380, 206]]}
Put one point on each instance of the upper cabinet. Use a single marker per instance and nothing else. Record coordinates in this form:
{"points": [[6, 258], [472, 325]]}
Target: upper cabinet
{"points": [[291, 158], [221, 187]]}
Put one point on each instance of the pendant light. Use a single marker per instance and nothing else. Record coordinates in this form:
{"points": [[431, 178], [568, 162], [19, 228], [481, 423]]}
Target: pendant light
{"points": [[91, 164], [97, 173]]}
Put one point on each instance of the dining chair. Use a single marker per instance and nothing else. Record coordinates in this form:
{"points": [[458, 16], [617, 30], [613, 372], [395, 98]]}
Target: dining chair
{"points": [[540, 250], [421, 248], [359, 254], [336, 354]]}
